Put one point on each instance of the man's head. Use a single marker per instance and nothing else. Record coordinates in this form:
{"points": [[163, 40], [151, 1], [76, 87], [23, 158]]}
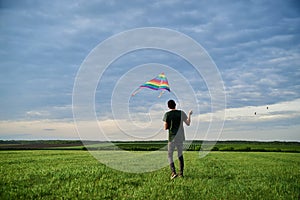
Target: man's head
{"points": [[171, 104]]}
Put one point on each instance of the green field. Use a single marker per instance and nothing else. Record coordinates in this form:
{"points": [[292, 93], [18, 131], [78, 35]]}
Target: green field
{"points": [[65, 174]]}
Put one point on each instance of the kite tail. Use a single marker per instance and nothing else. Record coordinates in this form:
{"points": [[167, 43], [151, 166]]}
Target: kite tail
{"points": [[136, 91], [161, 93]]}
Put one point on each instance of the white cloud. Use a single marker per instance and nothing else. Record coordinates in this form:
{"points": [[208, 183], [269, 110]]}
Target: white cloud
{"points": [[37, 130], [278, 111], [37, 114], [240, 123], [55, 112]]}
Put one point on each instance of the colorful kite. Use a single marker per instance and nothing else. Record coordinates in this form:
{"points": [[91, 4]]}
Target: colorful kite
{"points": [[158, 83]]}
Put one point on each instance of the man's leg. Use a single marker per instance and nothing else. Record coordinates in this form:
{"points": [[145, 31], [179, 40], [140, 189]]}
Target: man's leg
{"points": [[179, 147], [171, 147]]}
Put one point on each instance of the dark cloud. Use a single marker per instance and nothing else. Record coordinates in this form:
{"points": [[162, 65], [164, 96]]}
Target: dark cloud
{"points": [[49, 129]]}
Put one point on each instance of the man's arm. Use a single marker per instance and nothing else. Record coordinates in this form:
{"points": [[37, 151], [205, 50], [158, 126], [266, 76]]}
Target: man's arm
{"points": [[189, 118], [166, 127]]}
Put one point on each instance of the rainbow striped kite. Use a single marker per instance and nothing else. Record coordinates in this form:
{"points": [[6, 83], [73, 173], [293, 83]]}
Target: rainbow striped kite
{"points": [[160, 82]]}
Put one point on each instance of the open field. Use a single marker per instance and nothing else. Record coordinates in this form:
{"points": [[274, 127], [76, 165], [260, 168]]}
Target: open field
{"points": [[62, 174]]}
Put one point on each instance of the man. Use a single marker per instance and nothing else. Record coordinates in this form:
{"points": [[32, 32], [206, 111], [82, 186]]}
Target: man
{"points": [[173, 121]]}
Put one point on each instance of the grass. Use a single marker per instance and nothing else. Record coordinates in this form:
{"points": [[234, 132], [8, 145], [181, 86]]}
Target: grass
{"points": [[62, 174]]}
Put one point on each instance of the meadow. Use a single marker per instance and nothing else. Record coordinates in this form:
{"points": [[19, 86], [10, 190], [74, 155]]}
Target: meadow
{"points": [[66, 174]]}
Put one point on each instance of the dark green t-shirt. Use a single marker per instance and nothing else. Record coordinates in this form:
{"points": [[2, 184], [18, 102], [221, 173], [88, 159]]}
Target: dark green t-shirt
{"points": [[175, 119]]}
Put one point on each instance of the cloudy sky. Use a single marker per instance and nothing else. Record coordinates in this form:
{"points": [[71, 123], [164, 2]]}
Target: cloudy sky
{"points": [[254, 44]]}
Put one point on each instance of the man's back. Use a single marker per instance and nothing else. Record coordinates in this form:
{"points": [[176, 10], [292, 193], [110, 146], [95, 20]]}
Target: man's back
{"points": [[174, 119]]}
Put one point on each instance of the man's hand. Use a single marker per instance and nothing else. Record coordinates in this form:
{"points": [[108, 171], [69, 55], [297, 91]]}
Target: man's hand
{"points": [[188, 120]]}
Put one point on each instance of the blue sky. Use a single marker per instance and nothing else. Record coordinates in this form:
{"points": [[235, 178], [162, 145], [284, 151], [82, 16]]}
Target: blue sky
{"points": [[254, 44]]}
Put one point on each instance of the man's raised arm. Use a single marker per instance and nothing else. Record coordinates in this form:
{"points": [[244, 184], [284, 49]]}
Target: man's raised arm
{"points": [[189, 118]]}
